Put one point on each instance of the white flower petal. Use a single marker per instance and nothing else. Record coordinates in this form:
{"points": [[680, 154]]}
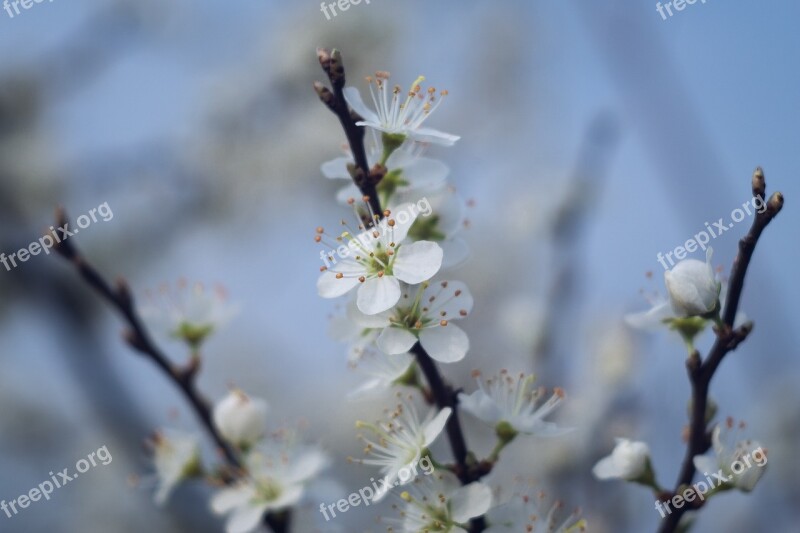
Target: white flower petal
{"points": [[378, 294], [344, 194], [417, 262], [394, 341], [481, 406], [651, 319], [433, 136], [362, 320], [470, 501], [337, 168], [231, 497], [433, 428], [245, 518], [424, 172], [704, 463], [448, 344], [328, 286], [404, 216], [450, 300], [354, 100], [306, 466]]}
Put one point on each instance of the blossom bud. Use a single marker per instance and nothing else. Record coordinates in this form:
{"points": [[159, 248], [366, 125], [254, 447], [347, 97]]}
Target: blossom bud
{"points": [[693, 289], [240, 418], [629, 461], [759, 185]]}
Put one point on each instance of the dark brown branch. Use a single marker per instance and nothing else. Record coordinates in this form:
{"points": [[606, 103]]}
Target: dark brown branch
{"points": [[331, 62], [702, 372], [137, 336]]}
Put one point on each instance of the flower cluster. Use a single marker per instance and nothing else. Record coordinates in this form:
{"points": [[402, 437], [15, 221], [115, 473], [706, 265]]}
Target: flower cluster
{"points": [[271, 470], [394, 267]]}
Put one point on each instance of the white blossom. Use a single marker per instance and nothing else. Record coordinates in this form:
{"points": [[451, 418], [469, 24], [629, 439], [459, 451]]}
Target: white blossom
{"points": [[406, 170], [400, 113], [693, 287], [400, 442], [384, 371], [441, 504], [629, 461], [241, 419], [176, 456], [425, 316], [276, 479], [191, 313], [532, 513], [377, 260], [511, 399], [445, 222], [742, 462]]}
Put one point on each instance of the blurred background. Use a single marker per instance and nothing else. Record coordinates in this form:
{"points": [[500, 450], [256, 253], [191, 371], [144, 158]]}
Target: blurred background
{"points": [[594, 136]]}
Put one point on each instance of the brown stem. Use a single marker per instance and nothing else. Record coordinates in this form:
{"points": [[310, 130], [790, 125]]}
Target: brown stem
{"points": [[702, 372], [137, 336], [331, 62]]}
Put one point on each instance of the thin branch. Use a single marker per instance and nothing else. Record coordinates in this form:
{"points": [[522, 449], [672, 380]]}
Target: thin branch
{"points": [[728, 339], [331, 62], [137, 336]]}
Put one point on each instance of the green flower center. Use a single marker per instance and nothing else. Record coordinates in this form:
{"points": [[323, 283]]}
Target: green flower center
{"points": [[267, 490]]}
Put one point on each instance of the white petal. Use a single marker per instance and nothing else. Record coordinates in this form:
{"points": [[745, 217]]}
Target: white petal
{"points": [[328, 286], [362, 320], [306, 466], [481, 406], [344, 194], [606, 468], [246, 518], [394, 341], [705, 464], [418, 261], [432, 136], [425, 172], [289, 496], [446, 344], [445, 300], [354, 100], [653, 318], [470, 501], [365, 389], [433, 428], [231, 497], [404, 216], [378, 294], [337, 168]]}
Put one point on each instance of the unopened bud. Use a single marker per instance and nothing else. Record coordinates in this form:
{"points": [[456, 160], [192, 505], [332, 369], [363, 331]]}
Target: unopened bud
{"points": [[775, 203], [759, 185]]}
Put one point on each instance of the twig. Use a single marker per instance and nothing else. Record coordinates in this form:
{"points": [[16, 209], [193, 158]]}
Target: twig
{"points": [[331, 62], [121, 298], [728, 338]]}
